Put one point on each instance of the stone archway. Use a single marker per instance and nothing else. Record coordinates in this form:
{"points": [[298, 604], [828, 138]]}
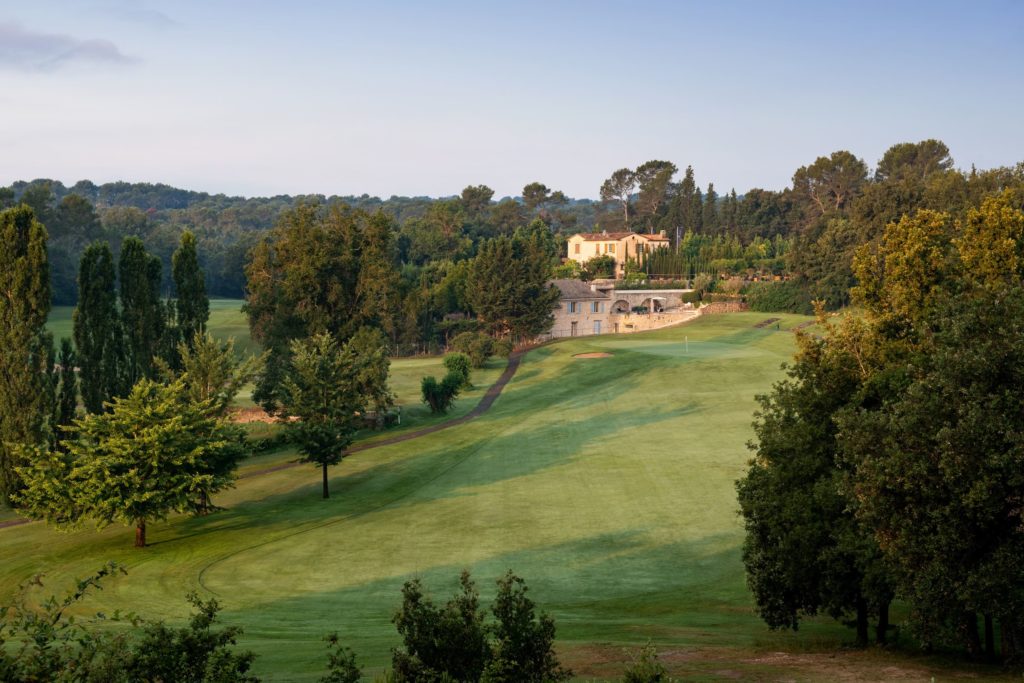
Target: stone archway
{"points": [[621, 306]]}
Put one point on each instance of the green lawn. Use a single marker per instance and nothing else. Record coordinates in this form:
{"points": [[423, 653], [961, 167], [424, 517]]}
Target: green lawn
{"points": [[226, 320], [607, 483]]}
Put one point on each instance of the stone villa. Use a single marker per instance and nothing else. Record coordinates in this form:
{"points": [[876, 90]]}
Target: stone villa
{"points": [[599, 308], [619, 245]]}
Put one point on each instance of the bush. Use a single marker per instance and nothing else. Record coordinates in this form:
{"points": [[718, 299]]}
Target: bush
{"points": [[458, 363], [341, 663], [440, 395], [779, 297], [41, 643], [602, 266], [477, 345], [570, 270], [644, 667], [502, 348], [453, 642]]}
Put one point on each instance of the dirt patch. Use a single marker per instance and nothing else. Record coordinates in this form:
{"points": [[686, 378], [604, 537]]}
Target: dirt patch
{"points": [[766, 323], [803, 325], [592, 355], [248, 415]]}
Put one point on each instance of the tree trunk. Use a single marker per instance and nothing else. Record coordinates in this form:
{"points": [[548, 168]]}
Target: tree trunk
{"points": [[324, 468], [990, 638], [862, 622], [883, 624], [1009, 640], [971, 636], [140, 533]]}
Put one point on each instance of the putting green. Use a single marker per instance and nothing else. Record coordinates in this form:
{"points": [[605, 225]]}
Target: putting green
{"points": [[608, 485]]}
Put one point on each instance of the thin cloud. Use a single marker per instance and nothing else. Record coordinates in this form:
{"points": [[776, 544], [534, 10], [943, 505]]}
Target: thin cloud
{"points": [[26, 50], [141, 15]]}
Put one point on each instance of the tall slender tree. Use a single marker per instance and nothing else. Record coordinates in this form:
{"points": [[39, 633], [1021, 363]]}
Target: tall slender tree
{"points": [[26, 349], [711, 220], [191, 304], [97, 330], [66, 407], [142, 311]]}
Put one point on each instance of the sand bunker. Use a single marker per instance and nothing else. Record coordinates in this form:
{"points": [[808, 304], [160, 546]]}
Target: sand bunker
{"points": [[592, 355]]}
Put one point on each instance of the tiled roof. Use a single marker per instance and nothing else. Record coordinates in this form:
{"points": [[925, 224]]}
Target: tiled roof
{"points": [[575, 290], [606, 236]]}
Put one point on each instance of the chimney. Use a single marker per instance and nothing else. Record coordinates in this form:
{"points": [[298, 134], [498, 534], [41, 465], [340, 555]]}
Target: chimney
{"points": [[661, 232]]}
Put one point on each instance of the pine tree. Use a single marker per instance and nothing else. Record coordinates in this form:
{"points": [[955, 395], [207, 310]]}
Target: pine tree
{"points": [[711, 222], [26, 349], [98, 333], [192, 306], [142, 311]]}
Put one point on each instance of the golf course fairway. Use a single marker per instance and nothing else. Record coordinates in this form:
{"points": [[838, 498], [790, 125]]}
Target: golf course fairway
{"points": [[607, 483]]}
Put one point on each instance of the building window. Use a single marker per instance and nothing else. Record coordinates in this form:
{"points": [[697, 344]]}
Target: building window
{"points": [[611, 248], [576, 248], [574, 307], [593, 307], [597, 327]]}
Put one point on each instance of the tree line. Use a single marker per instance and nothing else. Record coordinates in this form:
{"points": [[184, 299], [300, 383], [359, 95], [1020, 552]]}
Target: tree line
{"points": [[888, 464], [832, 206]]}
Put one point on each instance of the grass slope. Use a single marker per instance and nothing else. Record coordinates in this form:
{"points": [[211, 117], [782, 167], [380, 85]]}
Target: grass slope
{"points": [[226, 320], [607, 483]]}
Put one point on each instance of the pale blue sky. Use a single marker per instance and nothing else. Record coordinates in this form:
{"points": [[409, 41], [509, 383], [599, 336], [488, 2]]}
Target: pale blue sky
{"points": [[423, 98]]}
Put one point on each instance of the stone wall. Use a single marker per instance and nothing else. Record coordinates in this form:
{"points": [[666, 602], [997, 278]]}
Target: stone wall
{"points": [[723, 307]]}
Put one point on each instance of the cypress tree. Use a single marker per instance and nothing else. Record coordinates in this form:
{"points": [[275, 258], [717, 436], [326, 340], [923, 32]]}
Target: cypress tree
{"points": [[711, 210], [25, 347], [142, 312], [192, 304], [97, 330], [67, 389]]}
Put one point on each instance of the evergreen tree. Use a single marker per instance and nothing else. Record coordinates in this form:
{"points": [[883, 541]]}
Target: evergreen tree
{"points": [[508, 287], [711, 221], [142, 311], [144, 459], [98, 332], [67, 393], [192, 307], [26, 349]]}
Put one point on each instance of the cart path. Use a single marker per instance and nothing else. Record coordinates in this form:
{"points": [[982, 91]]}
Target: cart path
{"points": [[488, 399]]}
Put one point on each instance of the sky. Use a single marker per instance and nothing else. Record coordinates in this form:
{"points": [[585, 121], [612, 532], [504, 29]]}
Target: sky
{"points": [[418, 98]]}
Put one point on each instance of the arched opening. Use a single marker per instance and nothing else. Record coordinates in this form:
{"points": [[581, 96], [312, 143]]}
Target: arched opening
{"points": [[620, 306]]}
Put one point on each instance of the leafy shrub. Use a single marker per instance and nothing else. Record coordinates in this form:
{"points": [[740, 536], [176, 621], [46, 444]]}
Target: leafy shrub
{"points": [[779, 297], [341, 663], [458, 363], [644, 667], [502, 348], [568, 270], [602, 266], [454, 642], [440, 395], [42, 644], [477, 345]]}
